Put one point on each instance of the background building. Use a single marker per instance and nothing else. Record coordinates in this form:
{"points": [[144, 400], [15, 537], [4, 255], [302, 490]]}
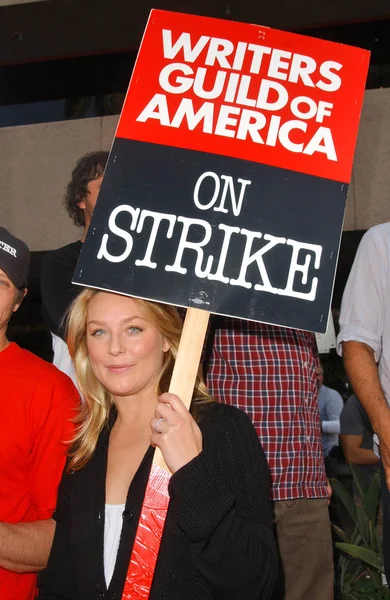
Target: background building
{"points": [[64, 69]]}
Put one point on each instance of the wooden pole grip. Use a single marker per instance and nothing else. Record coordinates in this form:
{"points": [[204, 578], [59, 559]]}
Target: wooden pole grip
{"points": [[187, 362], [189, 354]]}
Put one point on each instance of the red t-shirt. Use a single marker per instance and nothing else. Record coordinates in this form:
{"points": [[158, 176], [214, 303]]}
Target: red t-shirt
{"points": [[37, 402]]}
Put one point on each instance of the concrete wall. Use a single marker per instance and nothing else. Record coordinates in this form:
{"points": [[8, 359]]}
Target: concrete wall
{"points": [[369, 195], [36, 162]]}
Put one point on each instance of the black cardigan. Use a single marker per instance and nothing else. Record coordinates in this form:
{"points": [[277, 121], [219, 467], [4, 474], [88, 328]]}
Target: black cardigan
{"points": [[217, 542]]}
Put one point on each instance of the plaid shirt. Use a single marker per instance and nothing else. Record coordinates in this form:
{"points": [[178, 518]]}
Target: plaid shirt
{"points": [[269, 372]]}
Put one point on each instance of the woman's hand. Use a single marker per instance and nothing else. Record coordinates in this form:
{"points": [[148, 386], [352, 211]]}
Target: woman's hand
{"points": [[175, 432]]}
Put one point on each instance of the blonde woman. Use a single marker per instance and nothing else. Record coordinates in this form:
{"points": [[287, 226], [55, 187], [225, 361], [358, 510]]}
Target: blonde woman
{"points": [[218, 541]]}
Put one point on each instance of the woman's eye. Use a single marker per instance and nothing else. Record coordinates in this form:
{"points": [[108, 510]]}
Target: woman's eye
{"points": [[97, 332], [134, 330]]}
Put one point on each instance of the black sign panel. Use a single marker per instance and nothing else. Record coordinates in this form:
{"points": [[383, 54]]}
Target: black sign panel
{"points": [[230, 236]]}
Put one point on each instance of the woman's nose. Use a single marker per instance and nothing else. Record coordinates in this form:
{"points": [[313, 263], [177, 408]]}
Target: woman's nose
{"points": [[116, 345]]}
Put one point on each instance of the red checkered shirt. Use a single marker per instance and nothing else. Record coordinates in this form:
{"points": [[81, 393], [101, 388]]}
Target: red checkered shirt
{"points": [[269, 372]]}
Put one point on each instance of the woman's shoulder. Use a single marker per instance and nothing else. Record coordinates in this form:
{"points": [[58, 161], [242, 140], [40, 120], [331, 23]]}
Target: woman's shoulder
{"points": [[229, 433], [230, 417]]}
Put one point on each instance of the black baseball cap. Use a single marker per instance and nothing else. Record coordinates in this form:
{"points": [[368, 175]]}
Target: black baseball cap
{"points": [[14, 258]]}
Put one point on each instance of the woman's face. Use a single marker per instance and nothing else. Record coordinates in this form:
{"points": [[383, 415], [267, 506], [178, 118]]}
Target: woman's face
{"points": [[126, 351]]}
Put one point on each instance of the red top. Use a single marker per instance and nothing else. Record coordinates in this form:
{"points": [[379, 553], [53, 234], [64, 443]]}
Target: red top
{"points": [[37, 402]]}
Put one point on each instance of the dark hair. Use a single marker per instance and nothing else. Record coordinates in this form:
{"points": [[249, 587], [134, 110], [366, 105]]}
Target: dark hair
{"points": [[89, 167]]}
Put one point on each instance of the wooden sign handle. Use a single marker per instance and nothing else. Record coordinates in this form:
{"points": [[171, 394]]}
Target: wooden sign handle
{"points": [[187, 363], [150, 528]]}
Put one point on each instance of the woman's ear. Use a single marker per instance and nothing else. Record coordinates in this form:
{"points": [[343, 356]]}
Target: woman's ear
{"points": [[166, 345]]}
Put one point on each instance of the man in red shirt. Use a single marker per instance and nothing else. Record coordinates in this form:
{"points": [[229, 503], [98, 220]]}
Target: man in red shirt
{"points": [[37, 405]]}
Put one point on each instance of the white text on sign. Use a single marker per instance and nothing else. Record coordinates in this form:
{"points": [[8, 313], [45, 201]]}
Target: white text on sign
{"points": [[303, 257]]}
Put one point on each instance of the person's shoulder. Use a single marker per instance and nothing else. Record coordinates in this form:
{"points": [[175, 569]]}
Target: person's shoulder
{"points": [[333, 393], [37, 370], [30, 360], [352, 412], [324, 392], [352, 401], [65, 252], [225, 414], [378, 234], [383, 229], [352, 405], [229, 431]]}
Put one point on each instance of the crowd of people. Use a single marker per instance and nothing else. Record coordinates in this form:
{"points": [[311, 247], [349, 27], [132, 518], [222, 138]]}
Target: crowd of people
{"points": [[248, 515]]}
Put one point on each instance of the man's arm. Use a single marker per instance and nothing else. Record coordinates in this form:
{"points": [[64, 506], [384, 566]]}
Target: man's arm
{"points": [[362, 371], [25, 547], [333, 410], [354, 453], [331, 426]]}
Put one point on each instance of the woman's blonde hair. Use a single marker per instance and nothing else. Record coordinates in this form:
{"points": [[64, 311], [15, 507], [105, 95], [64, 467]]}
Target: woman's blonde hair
{"points": [[97, 400]]}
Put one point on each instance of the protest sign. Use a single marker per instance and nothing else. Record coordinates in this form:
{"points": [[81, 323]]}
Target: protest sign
{"points": [[224, 191], [227, 179]]}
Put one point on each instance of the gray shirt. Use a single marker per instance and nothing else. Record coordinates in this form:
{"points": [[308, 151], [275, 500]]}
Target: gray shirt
{"points": [[354, 421], [365, 308]]}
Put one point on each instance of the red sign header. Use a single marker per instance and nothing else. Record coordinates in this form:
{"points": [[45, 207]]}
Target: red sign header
{"points": [[248, 92]]}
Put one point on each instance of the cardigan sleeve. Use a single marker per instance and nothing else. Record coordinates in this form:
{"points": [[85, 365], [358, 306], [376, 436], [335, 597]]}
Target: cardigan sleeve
{"points": [[56, 581], [222, 504]]}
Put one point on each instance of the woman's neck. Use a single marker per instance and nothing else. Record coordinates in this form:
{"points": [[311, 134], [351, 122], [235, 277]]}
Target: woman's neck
{"points": [[135, 411]]}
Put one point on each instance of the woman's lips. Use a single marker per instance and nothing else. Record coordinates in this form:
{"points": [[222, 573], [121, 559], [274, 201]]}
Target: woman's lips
{"points": [[118, 368]]}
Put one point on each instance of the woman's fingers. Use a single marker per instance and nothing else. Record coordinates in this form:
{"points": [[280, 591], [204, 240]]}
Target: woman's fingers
{"points": [[174, 402], [164, 411], [159, 425], [170, 407], [175, 432]]}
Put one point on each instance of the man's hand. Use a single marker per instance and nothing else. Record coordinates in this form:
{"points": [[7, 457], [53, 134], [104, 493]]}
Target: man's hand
{"points": [[329, 490]]}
